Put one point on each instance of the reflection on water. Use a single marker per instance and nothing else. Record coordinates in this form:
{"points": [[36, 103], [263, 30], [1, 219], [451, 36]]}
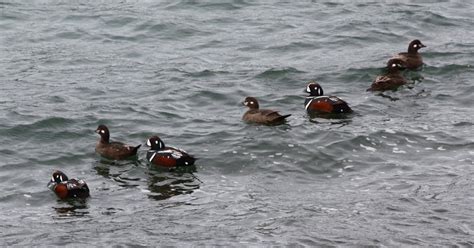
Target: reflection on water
{"points": [[164, 185], [391, 98], [72, 208], [333, 119], [113, 169]]}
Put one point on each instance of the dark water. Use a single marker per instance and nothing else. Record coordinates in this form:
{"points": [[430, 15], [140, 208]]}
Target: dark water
{"points": [[397, 173]]}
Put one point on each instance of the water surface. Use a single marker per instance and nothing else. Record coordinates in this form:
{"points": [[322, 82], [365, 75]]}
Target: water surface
{"points": [[398, 172]]}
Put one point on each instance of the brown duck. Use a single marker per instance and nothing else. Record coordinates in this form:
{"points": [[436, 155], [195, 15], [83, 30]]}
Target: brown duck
{"points": [[412, 59], [113, 150], [261, 116], [390, 80]]}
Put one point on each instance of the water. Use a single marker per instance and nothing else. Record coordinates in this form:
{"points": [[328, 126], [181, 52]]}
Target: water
{"points": [[399, 172]]}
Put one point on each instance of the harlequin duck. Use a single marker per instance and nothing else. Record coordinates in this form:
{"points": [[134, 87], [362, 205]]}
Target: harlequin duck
{"points": [[317, 103], [67, 188], [261, 116], [113, 150], [390, 80], [412, 59], [167, 156]]}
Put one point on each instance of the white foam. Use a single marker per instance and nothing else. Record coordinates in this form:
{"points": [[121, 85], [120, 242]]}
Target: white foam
{"points": [[388, 130], [368, 148], [396, 150]]}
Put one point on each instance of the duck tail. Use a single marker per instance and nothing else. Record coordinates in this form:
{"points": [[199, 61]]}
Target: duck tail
{"points": [[283, 117], [135, 149]]}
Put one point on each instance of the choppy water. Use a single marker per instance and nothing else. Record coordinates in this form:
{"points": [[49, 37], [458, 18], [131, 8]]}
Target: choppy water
{"points": [[399, 172]]}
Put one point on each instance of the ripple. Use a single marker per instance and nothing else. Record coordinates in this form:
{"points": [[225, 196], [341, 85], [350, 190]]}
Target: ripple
{"points": [[395, 173], [277, 73]]}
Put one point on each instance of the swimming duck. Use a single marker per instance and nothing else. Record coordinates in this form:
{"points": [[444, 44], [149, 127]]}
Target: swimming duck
{"points": [[390, 80], [67, 188], [317, 103], [113, 150], [412, 59], [261, 116], [167, 156]]}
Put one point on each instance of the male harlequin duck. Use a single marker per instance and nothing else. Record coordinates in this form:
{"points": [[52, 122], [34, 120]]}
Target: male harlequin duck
{"points": [[113, 150], [261, 116], [68, 188], [167, 156], [317, 103], [412, 59], [390, 80]]}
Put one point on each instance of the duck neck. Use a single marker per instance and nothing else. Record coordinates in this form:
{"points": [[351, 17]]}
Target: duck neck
{"points": [[412, 50], [104, 138]]}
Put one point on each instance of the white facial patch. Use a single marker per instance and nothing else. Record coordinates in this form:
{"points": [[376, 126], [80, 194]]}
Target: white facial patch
{"points": [[61, 178], [251, 103], [308, 89], [102, 131], [148, 143], [52, 179], [394, 65], [415, 45]]}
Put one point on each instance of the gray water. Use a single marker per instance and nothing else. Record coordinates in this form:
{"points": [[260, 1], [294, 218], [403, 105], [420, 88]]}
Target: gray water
{"points": [[396, 173]]}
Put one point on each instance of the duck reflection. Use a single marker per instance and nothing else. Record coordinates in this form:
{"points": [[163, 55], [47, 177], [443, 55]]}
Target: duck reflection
{"points": [[72, 208], [166, 184], [125, 173], [162, 183], [332, 120]]}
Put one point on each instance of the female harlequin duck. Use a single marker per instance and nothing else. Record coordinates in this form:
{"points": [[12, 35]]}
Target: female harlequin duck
{"points": [[317, 103], [113, 150], [167, 156], [261, 116], [412, 59], [68, 188], [392, 79]]}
